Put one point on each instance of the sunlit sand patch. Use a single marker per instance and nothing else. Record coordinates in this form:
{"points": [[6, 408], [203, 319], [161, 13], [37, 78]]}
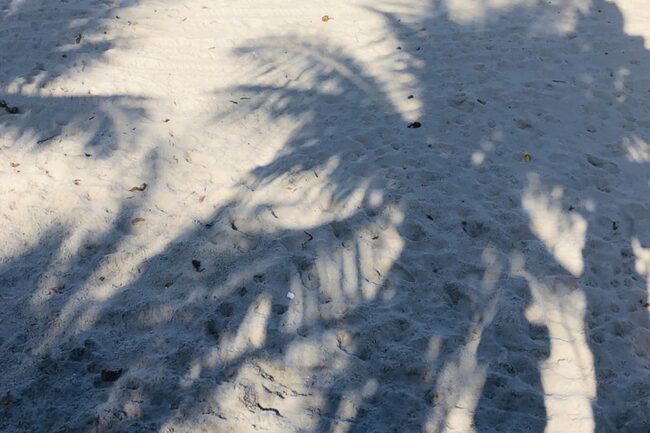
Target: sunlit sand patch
{"points": [[458, 390], [459, 386], [642, 263], [568, 374], [637, 149], [563, 233], [636, 16], [250, 335], [564, 18], [350, 404]]}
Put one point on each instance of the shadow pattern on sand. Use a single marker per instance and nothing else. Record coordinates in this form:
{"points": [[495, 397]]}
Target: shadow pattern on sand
{"points": [[412, 309], [77, 37]]}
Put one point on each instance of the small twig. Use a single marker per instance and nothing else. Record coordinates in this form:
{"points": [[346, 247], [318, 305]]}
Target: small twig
{"points": [[46, 139], [310, 238]]}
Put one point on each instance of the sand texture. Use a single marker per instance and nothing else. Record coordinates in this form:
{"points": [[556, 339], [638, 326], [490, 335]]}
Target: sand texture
{"points": [[324, 216]]}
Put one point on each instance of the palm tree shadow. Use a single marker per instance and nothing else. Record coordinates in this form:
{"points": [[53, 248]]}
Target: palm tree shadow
{"points": [[356, 284], [590, 88], [38, 110]]}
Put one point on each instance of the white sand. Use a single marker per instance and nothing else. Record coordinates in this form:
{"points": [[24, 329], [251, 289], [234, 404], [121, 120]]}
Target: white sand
{"points": [[485, 272]]}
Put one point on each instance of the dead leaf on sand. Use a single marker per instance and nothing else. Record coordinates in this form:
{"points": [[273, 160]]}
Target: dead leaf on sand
{"points": [[197, 265], [326, 18], [139, 188], [136, 220]]}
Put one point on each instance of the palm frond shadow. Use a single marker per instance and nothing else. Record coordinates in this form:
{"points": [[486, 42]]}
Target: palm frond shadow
{"points": [[48, 112], [398, 317]]}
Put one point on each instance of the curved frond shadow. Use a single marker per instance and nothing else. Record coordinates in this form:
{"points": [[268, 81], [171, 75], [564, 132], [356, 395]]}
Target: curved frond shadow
{"points": [[375, 277]]}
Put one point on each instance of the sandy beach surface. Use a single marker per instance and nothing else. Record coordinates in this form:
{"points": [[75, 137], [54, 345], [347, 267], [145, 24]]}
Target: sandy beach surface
{"points": [[325, 216]]}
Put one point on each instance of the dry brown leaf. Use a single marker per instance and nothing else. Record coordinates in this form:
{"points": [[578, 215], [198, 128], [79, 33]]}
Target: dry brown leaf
{"points": [[136, 220], [197, 265], [139, 188], [326, 18]]}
